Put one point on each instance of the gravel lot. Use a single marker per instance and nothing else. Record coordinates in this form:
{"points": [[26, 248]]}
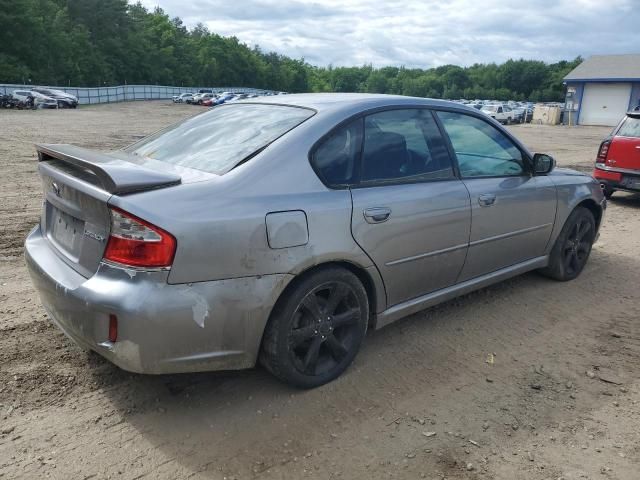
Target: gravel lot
{"points": [[528, 379]]}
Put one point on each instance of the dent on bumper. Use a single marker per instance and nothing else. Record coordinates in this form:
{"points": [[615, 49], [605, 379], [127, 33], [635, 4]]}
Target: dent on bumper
{"points": [[162, 328]]}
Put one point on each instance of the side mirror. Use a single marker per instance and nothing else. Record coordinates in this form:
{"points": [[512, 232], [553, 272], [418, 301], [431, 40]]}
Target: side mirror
{"points": [[543, 164]]}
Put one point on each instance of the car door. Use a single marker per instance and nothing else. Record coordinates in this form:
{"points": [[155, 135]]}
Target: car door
{"points": [[411, 215], [512, 211]]}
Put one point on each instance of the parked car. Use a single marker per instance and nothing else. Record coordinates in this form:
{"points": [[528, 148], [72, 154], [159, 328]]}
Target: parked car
{"points": [[183, 98], [32, 99], [23, 98], [281, 230], [223, 98], [63, 99], [518, 113], [7, 101], [501, 113], [618, 162], [199, 98], [209, 102], [43, 101]]}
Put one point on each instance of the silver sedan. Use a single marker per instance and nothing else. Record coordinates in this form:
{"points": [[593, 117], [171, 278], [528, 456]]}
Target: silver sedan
{"points": [[280, 230]]}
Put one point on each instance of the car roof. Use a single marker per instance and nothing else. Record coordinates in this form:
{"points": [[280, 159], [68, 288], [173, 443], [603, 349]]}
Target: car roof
{"points": [[322, 102]]}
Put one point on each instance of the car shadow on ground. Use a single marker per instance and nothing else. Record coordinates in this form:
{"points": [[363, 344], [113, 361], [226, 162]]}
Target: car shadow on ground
{"points": [[625, 199], [199, 419]]}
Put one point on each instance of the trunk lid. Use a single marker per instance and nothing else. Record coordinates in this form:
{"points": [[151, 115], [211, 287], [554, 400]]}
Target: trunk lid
{"points": [[624, 151], [77, 185]]}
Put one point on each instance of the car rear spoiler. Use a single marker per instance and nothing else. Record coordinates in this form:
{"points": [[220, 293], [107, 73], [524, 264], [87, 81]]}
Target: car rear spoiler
{"points": [[115, 175]]}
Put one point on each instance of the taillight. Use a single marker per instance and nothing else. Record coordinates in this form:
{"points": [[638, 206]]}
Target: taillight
{"points": [[137, 243], [603, 151]]}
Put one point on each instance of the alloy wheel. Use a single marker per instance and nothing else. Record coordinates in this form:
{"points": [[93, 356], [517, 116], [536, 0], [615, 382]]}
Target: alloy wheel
{"points": [[577, 246], [324, 328]]}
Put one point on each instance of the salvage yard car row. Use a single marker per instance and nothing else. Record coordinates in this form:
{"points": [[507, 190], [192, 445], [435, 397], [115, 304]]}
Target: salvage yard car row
{"points": [[38, 98], [208, 98]]}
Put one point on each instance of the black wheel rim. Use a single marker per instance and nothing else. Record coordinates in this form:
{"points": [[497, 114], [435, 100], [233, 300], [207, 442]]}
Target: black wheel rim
{"points": [[577, 247], [325, 328]]}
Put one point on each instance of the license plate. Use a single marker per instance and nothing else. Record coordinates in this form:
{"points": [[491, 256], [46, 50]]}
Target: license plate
{"points": [[631, 182], [66, 230]]}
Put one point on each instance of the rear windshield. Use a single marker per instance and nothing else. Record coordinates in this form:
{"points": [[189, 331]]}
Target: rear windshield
{"points": [[219, 140], [630, 128]]}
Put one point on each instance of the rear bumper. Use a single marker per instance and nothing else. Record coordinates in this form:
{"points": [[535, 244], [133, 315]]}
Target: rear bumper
{"points": [[618, 179], [162, 328]]}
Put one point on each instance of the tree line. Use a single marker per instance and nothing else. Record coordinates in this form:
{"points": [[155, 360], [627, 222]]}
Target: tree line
{"points": [[110, 42]]}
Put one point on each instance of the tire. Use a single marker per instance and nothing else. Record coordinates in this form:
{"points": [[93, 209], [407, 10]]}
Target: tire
{"points": [[608, 192], [316, 328], [573, 246]]}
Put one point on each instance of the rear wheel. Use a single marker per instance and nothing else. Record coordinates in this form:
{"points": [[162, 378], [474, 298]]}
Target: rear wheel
{"points": [[573, 246], [315, 331], [608, 191]]}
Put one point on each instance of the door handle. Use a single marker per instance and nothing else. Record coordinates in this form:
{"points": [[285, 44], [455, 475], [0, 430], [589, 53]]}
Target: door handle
{"points": [[486, 199], [377, 214]]}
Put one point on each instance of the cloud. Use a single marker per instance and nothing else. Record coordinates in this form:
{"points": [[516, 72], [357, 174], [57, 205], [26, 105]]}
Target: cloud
{"points": [[420, 33]]}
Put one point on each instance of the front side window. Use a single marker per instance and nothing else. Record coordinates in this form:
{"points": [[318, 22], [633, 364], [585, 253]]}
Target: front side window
{"points": [[336, 157], [482, 150], [630, 128], [219, 140], [403, 145]]}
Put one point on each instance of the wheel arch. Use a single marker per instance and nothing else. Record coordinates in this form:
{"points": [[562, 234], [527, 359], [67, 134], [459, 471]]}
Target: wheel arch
{"points": [[594, 208], [376, 295]]}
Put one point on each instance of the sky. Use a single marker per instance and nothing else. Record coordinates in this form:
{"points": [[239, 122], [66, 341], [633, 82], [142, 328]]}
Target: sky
{"points": [[420, 33]]}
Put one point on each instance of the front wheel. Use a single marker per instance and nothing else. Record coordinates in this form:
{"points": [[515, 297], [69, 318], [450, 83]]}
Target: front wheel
{"points": [[573, 246], [315, 331]]}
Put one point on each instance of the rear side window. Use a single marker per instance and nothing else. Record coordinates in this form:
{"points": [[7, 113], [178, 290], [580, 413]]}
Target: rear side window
{"points": [[482, 150], [220, 139], [336, 158], [630, 128], [403, 145]]}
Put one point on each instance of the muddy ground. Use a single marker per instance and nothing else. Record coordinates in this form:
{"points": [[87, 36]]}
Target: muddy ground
{"points": [[528, 379]]}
